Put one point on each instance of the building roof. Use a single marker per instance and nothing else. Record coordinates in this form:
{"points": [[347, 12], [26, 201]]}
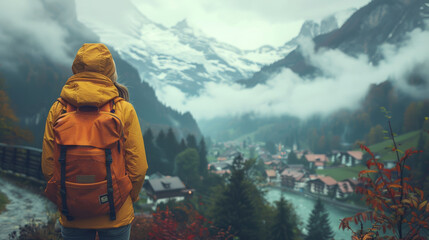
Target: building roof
{"points": [[275, 162], [166, 184], [221, 165], [292, 173], [345, 187], [312, 176], [356, 154], [316, 157], [326, 180], [270, 173], [222, 172]]}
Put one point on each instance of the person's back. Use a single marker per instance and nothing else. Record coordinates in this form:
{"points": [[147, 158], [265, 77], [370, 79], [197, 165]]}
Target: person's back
{"points": [[92, 89]]}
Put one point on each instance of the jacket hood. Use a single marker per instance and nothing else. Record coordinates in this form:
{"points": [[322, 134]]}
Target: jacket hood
{"points": [[91, 83], [89, 89], [94, 57]]}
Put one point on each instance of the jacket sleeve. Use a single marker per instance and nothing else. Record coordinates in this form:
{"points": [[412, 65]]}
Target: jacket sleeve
{"points": [[48, 141], [135, 154]]}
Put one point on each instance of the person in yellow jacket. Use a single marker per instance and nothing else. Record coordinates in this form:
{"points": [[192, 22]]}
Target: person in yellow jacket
{"points": [[95, 83]]}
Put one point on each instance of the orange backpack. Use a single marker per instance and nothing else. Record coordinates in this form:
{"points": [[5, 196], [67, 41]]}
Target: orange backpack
{"points": [[89, 171]]}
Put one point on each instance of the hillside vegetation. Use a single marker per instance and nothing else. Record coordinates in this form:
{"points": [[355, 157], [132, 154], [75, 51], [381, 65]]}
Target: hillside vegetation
{"points": [[404, 141], [383, 149]]}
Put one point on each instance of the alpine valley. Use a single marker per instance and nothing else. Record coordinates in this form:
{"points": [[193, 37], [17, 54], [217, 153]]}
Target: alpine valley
{"points": [[186, 59]]}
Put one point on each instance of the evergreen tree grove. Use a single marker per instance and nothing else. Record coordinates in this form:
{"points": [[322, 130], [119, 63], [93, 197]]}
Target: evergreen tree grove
{"points": [[318, 227]]}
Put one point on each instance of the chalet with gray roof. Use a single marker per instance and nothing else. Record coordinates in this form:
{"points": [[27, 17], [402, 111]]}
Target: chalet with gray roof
{"points": [[166, 188]]}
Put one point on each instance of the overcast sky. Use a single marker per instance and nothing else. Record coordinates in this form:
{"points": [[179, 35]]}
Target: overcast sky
{"points": [[247, 24]]}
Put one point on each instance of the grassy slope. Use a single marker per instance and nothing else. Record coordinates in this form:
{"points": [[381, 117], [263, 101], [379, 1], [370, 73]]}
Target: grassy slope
{"points": [[404, 141], [342, 173], [384, 149]]}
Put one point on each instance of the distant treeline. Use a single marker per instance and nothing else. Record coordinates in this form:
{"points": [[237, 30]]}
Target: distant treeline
{"points": [[162, 150]]}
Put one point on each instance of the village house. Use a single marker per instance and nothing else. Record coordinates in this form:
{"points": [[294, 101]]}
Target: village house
{"points": [[217, 166], [344, 189], [166, 188], [323, 185], [349, 158], [353, 182], [317, 161], [272, 176], [221, 168], [274, 164], [293, 179]]}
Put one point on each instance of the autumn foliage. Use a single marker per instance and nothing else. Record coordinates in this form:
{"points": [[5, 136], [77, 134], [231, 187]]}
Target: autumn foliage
{"points": [[398, 210], [183, 222]]}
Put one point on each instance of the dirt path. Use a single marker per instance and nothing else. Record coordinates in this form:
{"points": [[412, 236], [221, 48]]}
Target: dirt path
{"points": [[24, 207]]}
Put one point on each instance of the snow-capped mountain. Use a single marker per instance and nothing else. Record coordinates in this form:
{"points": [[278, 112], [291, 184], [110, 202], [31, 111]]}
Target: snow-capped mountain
{"points": [[365, 32], [184, 57]]}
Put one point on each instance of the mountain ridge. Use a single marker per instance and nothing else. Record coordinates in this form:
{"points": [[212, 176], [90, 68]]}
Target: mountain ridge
{"points": [[185, 58], [361, 33]]}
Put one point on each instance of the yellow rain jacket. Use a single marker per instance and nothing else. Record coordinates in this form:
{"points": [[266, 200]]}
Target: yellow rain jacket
{"points": [[90, 85]]}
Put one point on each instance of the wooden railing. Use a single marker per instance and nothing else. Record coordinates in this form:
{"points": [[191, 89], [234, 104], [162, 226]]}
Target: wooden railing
{"points": [[21, 160]]}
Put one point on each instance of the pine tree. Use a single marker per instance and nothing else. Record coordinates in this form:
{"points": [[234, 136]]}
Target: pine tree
{"points": [[160, 140], [292, 158], [191, 141], [235, 206], [318, 227], [285, 223], [161, 143], [182, 145], [153, 153], [202, 151], [171, 147]]}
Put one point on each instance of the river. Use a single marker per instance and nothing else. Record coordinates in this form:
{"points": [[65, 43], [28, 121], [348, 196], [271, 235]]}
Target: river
{"points": [[304, 205], [23, 208]]}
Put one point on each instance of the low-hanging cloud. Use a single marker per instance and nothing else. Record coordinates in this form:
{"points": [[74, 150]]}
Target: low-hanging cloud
{"points": [[27, 28], [345, 82]]}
